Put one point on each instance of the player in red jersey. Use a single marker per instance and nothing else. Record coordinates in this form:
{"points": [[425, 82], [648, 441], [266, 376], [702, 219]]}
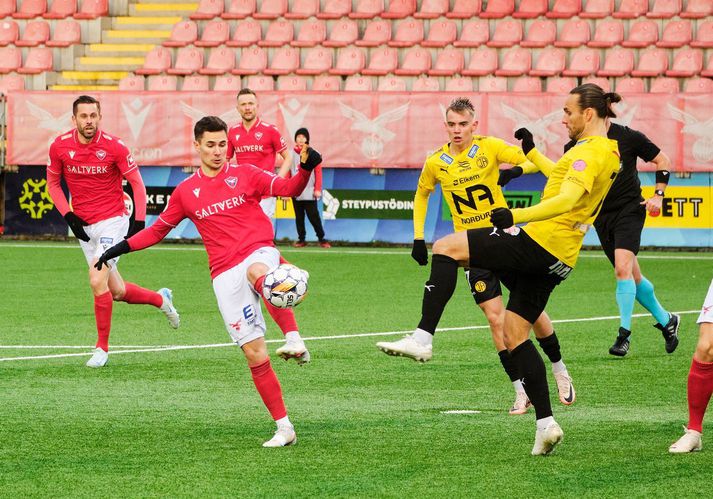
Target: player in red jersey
{"points": [[92, 164], [222, 200]]}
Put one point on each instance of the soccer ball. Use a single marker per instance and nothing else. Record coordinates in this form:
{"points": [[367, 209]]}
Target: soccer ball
{"points": [[285, 286]]}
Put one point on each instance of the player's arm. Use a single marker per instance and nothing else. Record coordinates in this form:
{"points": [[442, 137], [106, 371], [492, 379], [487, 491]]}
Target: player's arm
{"points": [[426, 184], [541, 162], [286, 157], [130, 170], [54, 186], [564, 201], [663, 173], [272, 185], [318, 182], [231, 149]]}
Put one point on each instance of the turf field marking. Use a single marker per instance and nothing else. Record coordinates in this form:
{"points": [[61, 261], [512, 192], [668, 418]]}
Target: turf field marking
{"points": [[461, 411], [158, 348]]}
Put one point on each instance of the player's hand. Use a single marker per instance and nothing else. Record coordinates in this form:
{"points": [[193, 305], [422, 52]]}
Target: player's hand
{"points": [[310, 159], [509, 174], [137, 226], [526, 141], [419, 252], [111, 253], [653, 205], [502, 218], [317, 194], [77, 225]]}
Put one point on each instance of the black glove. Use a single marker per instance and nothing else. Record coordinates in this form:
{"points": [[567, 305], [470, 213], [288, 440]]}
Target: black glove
{"points": [[137, 226], [419, 252], [113, 252], [509, 174], [310, 159], [525, 138], [77, 225], [502, 218]]}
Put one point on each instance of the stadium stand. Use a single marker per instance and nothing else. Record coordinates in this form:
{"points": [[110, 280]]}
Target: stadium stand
{"points": [[61, 9], [227, 83], [550, 62], [449, 62], [376, 33], [416, 61], [652, 62], [302, 9], [271, 9], [382, 62], [350, 61], [527, 84], [664, 9], [278, 34], [432, 9], [215, 33], [188, 61], [582, 62], [507, 34], [286, 60], [399, 9], [483, 61], [408, 34], [161, 83], [473, 34], [9, 33], [220, 61], [311, 33], [597, 9], [564, 9], [497, 9], [336, 9], [157, 61], [697, 9], [66, 32], [196, 83], [291, 83], [530, 9], [542, 33], [92, 9], [665, 85], [560, 85], [493, 84], [460, 85], [618, 62], [608, 34], [686, 63], [698, 85], [324, 83], [344, 32], [246, 33], [39, 60], [631, 9], [642, 34], [575, 33], [132, 83], [358, 84], [240, 9], [704, 35], [252, 61], [630, 86], [391, 84], [425, 84], [182, 34], [441, 34], [465, 9], [516, 62], [30, 9], [317, 61], [676, 34]]}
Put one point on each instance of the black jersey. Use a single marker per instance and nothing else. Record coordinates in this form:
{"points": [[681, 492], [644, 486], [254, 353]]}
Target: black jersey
{"points": [[626, 188]]}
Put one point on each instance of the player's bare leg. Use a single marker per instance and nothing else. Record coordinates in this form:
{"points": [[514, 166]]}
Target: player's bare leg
{"points": [[547, 338]]}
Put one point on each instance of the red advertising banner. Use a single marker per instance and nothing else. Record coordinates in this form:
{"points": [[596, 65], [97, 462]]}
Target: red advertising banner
{"points": [[353, 129]]}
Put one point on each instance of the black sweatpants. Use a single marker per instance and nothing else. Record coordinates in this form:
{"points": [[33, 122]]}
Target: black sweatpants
{"points": [[310, 208]]}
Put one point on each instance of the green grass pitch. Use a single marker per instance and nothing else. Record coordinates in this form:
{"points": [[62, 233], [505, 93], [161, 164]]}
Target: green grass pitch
{"points": [[189, 423]]}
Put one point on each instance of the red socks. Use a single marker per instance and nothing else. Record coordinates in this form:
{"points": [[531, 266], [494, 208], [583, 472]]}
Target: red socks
{"points": [[137, 295], [102, 313], [700, 387], [283, 317], [268, 386]]}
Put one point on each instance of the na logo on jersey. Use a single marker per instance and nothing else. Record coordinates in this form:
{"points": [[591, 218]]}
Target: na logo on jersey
{"points": [[101, 154], [258, 135], [446, 159], [197, 191], [473, 150], [232, 182], [71, 154]]}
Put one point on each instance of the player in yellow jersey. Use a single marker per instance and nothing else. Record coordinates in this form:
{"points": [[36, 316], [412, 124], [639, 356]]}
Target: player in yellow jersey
{"points": [[541, 254], [467, 170]]}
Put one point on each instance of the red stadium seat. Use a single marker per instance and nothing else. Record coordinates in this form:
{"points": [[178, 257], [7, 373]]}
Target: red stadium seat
{"points": [[663, 85], [39, 60], [652, 62], [391, 84], [7, 7], [408, 33], [497, 9], [286, 60], [597, 9], [425, 84], [686, 63], [527, 84], [582, 62], [542, 33], [247, 33], [358, 84], [560, 85], [271, 9], [382, 61], [195, 83], [432, 9], [183, 33], [441, 33], [227, 83], [530, 9], [221, 60], [366, 9], [302, 9], [664, 9], [448, 63], [279, 33], [66, 32], [696, 86], [132, 83], [312, 32], [157, 61], [188, 61], [631, 9], [460, 85], [602, 82], [324, 83], [239, 9], [630, 86], [291, 83], [416, 61], [214, 33], [697, 9], [251, 61], [675, 34], [550, 62], [642, 34], [507, 33], [208, 9], [608, 34], [473, 34], [318, 60], [30, 8], [344, 32], [575, 33], [493, 84], [61, 9], [376, 33], [708, 71], [465, 9], [704, 35], [483, 61], [399, 9], [350, 61], [618, 62], [335, 9], [10, 59], [9, 33], [260, 83], [162, 83], [516, 62], [564, 9]]}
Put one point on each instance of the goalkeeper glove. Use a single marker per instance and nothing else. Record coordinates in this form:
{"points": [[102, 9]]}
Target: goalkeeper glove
{"points": [[77, 225], [111, 253], [509, 174], [419, 252], [137, 226], [525, 138], [310, 159], [502, 218]]}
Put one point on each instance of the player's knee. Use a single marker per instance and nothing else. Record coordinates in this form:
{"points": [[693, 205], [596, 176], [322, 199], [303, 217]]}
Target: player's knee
{"points": [[704, 351], [445, 246], [623, 272]]}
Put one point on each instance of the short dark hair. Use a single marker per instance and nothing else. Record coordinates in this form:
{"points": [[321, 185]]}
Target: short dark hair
{"points": [[246, 91], [460, 105], [592, 95], [208, 124], [85, 99]]}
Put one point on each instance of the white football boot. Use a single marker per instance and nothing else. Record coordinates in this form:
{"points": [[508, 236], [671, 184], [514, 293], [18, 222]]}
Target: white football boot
{"points": [[99, 359], [545, 440], [168, 309], [690, 442], [294, 349], [565, 387], [284, 436], [407, 347], [522, 403]]}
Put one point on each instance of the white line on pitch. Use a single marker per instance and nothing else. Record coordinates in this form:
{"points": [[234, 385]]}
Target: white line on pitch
{"points": [[461, 411], [314, 338]]}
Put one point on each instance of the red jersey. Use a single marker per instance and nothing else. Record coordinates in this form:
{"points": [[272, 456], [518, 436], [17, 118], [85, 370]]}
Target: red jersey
{"points": [[258, 146], [226, 211], [93, 173]]}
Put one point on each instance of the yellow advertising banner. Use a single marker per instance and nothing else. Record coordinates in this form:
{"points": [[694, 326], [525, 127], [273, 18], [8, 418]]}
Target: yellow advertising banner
{"points": [[682, 208], [284, 208]]}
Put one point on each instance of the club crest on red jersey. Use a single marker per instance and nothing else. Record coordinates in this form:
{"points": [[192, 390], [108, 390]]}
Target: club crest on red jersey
{"points": [[101, 154], [71, 154], [258, 135], [232, 182]]}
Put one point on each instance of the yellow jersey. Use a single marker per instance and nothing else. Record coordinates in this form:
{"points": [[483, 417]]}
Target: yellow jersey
{"points": [[469, 181], [593, 163]]}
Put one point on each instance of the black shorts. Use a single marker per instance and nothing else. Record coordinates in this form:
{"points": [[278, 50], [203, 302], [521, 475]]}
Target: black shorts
{"points": [[484, 284], [621, 229], [526, 268]]}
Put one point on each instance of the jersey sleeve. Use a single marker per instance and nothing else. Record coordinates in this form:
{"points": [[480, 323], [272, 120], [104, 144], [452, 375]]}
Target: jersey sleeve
{"points": [[427, 180], [124, 160], [278, 141], [54, 178], [507, 153], [583, 167], [644, 148], [231, 147], [170, 218]]}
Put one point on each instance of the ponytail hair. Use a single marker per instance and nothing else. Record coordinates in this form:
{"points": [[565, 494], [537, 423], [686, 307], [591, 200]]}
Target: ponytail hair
{"points": [[611, 98], [592, 95]]}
